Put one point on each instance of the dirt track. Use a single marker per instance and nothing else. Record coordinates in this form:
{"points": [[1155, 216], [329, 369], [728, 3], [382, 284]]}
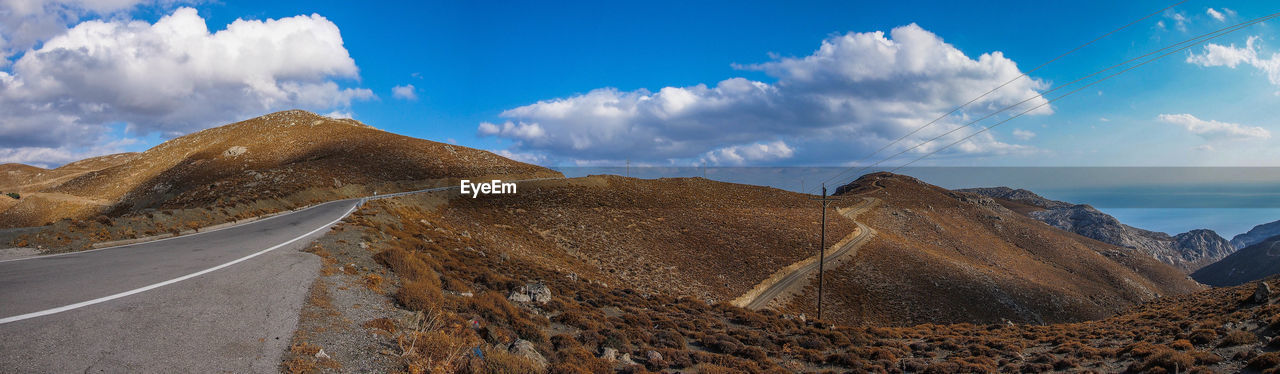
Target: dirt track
{"points": [[790, 279]]}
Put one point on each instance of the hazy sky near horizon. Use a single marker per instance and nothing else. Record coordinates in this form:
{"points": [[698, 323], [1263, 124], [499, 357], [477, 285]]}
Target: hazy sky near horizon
{"points": [[656, 83]]}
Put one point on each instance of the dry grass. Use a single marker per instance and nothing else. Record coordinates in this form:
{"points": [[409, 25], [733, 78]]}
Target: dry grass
{"points": [[586, 316]]}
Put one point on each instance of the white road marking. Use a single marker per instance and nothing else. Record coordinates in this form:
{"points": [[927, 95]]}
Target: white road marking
{"points": [[171, 281], [206, 271]]}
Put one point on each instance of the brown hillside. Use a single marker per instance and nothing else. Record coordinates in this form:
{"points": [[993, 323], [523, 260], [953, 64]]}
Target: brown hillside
{"points": [[30, 179], [276, 156], [684, 237], [942, 256], [461, 277]]}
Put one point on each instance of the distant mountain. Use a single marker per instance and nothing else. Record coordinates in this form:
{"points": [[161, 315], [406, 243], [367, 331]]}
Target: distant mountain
{"points": [[1188, 251], [1251, 263], [1256, 235]]}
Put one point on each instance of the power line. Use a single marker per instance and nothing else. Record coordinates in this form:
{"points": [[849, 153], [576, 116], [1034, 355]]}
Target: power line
{"points": [[1234, 28], [979, 97]]}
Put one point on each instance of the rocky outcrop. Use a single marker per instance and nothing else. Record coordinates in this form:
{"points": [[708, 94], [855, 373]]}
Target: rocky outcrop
{"points": [[532, 292], [1188, 251], [1018, 195], [1256, 235]]}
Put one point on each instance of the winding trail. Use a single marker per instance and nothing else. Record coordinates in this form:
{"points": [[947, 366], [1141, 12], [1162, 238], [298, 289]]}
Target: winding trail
{"points": [[787, 281]]}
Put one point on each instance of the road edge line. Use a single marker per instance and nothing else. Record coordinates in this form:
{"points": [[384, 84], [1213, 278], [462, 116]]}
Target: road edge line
{"points": [[174, 280]]}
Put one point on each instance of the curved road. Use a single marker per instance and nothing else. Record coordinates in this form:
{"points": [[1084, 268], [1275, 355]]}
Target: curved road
{"points": [[147, 308], [800, 276]]}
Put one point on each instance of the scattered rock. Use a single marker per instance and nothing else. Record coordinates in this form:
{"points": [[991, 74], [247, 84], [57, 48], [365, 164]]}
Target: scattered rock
{"points": [[532, 292], [1263, 294], [609, 354], [653, 356], [519, 297], [626, 359], [235, 151], [323, 356], [525, 349]]}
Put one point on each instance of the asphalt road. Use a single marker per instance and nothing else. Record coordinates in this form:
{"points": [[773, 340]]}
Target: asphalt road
{"points": [[219, 301], [799, 277]]}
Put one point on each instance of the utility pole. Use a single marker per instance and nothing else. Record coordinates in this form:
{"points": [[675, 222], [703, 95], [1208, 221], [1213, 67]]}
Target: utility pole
{"points": [[822, 246]]}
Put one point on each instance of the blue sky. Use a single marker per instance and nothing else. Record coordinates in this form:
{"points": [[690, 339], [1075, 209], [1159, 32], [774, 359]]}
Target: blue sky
{"points": [[473, 66]]}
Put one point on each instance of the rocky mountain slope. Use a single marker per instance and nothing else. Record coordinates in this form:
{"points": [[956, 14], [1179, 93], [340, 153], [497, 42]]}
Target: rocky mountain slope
{"points": [[293, 157], [1187, 251], [941, 256], [1256, 235], [1248, 264]]}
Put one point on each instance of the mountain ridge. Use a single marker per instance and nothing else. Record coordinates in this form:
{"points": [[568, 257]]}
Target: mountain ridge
{"points": [[1188, 251]]}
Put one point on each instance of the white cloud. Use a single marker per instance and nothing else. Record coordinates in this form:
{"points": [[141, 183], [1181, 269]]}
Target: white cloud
{"points": [[1203, 148], [341, 114], [26, 23], [405, 92], [1215, 131], [749, 153], [528, 158], [1179, 20], [857, 90], [171, 77], [48, 157], [1232, 56], [1216, 14], [1023, 134]]}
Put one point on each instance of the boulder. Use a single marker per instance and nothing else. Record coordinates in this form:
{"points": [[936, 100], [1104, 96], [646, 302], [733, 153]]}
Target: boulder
{"points": [[609, 354], [1263, 294], [524, 348], [532, 292], [653, 356]]}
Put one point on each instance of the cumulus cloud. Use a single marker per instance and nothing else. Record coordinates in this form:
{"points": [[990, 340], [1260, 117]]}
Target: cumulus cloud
{"points": [[1023, 134], [749, 153], [1232, 56], [48, 157], [1215, 131], [170, 77], [857, 90], [405, 92], [1216, 14], [26, 23]]}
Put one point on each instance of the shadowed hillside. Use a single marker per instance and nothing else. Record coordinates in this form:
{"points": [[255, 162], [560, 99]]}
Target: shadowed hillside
{"points": [[1251, 263]]}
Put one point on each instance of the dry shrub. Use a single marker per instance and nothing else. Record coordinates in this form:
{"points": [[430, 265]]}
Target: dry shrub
{"points": [[373, 282], [1181, 345], [1203, 336], [420, 295], [498, 361], [1238, 337], [1169, 360], [1265, 362], [436, 345], [714, 369], [384, 324], [405, 264], [1206, 357]]}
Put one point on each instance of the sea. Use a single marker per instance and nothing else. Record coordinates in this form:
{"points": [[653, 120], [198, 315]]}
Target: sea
{"points": [[1227, 200]]}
